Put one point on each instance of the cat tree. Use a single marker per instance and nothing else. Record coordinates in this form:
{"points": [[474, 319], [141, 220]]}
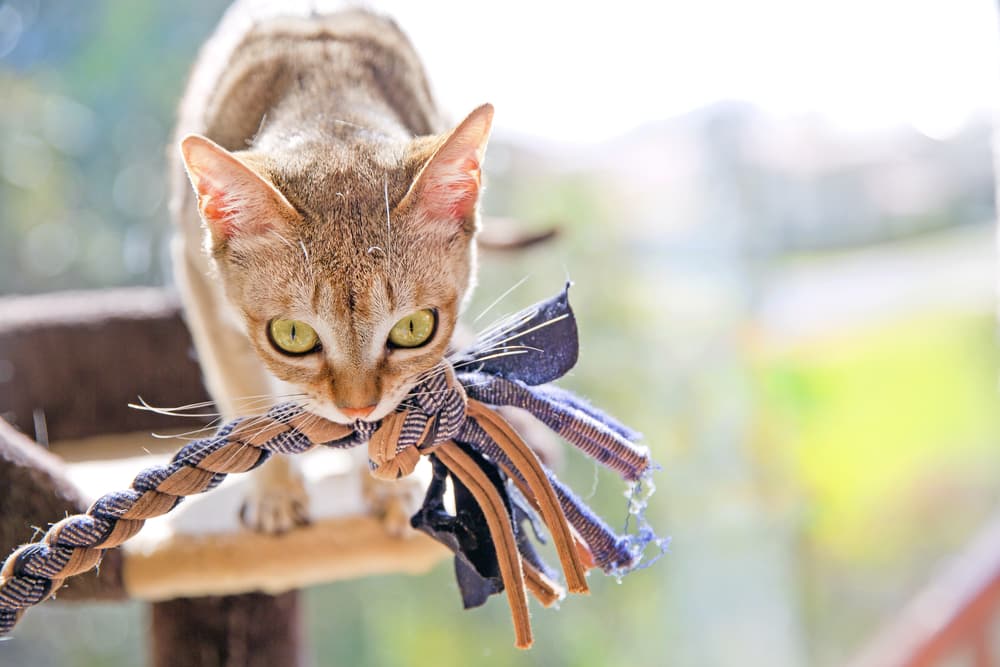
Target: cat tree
{"points": [[450, 419], [70, 363]]}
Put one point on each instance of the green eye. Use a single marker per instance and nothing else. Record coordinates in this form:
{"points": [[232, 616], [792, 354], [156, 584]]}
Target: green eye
{"points": [[293, 336], [413, 330]]}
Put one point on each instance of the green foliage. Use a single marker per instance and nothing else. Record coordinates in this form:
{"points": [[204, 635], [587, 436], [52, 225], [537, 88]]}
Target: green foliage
{"points": [[882, 421]]}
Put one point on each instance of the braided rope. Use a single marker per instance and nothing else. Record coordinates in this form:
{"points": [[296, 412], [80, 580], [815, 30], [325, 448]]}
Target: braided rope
{"points": [[434, 413], [74, 545], [35, 571]]}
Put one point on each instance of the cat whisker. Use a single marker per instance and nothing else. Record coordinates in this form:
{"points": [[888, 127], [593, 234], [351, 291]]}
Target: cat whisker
{"points": [[170, 412], [422, 380], [259, 419], [507, 324], [250, 140], [198, 433], [239, 450], [534, 328], [195, 434], [176, 411], [504, 348], [388, 222], [464, 384], [144, 405], [504, 326], [288, 243], [477, 360], [431, 392], [503, 320], [501, 298], [430, 373], [209, 427], [249, 403], [482, 353]]}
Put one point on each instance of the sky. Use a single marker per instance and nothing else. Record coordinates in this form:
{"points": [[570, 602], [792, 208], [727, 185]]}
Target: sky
{"points": [[584, 72]]}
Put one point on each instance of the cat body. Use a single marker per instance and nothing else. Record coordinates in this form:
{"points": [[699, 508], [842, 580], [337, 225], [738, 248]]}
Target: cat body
{"points": [[330, 210]]}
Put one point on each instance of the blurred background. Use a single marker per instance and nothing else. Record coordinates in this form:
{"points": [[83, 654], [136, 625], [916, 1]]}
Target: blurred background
{"points": [[779, 217]]}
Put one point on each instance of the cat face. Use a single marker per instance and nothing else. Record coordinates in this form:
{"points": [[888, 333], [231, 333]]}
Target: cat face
{"points": [[349, 267]]}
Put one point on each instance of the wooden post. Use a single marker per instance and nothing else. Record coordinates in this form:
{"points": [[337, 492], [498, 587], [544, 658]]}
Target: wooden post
{"points": [[71, 363], [250, 630]]}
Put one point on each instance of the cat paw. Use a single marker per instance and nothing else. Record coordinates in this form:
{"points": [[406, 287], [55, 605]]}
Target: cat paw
{"points": [[274, 514], [393, 502], [277, 501]]}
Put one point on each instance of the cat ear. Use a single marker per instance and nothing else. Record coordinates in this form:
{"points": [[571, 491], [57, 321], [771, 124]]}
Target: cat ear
{"points": [[447, 189], [234, 201]]}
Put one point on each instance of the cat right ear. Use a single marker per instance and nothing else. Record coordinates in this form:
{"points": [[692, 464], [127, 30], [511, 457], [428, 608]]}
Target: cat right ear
{"points": [[446, 191], [234, 201]]}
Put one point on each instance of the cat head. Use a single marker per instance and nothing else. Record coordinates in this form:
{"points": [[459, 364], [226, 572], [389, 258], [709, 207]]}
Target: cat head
{"points": [[349, 266]]}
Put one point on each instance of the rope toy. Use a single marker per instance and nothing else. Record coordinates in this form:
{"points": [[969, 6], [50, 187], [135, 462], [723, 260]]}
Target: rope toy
{"points": [[499, 483]]}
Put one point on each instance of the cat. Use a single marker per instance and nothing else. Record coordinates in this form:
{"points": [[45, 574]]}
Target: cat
{"points": [[326, 221]]}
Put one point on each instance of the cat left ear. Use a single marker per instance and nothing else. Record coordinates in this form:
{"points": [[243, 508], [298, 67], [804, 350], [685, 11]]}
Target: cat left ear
{"points": [[233, 199], [447, 189]]}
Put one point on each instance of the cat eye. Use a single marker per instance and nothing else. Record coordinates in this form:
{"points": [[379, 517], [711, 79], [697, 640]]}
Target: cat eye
{"points": [[293, 336], [413, 330]]}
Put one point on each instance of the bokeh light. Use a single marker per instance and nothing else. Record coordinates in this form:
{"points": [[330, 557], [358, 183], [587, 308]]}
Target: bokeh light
{"points": [[779, 216]]}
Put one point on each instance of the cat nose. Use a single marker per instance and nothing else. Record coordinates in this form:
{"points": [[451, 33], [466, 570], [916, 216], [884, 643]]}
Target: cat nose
{"points": [[358, 413]]}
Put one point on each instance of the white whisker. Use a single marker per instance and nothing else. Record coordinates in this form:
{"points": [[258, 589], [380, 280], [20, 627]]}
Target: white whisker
{"points": [[505, 348], [477, 360], [243, 403], [534, 328], [388, 222], [505, 325], [501, 297], [288, 243]]}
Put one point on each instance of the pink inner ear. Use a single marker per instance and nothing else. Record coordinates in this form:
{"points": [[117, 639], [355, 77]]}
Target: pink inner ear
{"points": [[232, 198], [449, 186], [234, 201], [217, 212], [451, 190]]}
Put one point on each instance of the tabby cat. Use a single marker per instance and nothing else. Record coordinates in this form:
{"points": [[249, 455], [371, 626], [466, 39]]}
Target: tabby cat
{"points": [[327, 245]]}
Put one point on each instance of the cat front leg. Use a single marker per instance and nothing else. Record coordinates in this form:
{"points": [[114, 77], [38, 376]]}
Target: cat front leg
{"points": [[233, 373], [392, 502], [276, 500]]}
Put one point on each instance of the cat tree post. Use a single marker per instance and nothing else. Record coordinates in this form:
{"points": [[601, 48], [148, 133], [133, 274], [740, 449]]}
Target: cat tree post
{"points": [[72, 363], [253, 629]]}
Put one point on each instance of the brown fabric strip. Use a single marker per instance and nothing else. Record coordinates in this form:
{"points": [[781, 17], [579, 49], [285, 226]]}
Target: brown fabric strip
{"points": [[234, 457], [382, 445], [541, 491], [382, 449], [583, 550], [257, 431], [320, 430], [425, 444], [81, 560], [150, 504], [400, 465], [124, 530], [546, 591], [185, 482], [498, 522]]}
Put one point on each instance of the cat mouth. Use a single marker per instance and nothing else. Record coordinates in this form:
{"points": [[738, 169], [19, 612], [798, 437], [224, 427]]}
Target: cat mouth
{"points": [[370, 414], [338, 415], [358, 414]]}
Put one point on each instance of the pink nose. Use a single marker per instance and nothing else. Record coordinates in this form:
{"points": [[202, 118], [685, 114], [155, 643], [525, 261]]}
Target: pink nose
{"points": [[358, 413]]}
